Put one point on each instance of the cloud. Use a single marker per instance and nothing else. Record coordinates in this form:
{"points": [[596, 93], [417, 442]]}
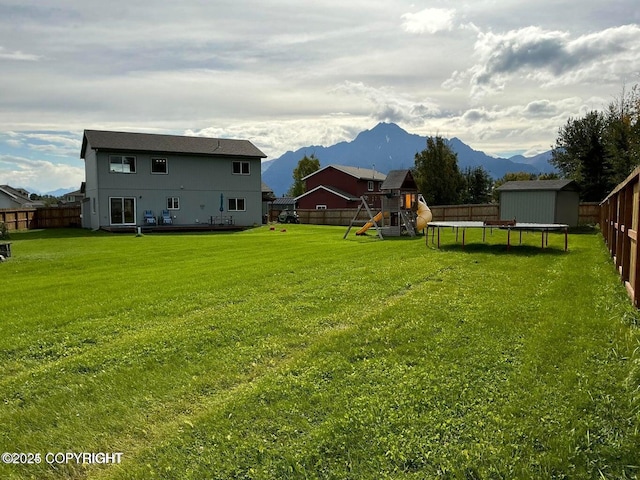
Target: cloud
{"points": [[17, 55], [52, 143], [429, 20], [38, 175], [277, 136], [549, 58], [389, 105]]}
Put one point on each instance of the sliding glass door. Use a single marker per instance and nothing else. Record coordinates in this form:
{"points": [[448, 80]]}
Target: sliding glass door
{"points": [[122, 210]]}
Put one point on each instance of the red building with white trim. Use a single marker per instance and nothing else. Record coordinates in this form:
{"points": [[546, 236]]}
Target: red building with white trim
{"points": [[338, 186]]}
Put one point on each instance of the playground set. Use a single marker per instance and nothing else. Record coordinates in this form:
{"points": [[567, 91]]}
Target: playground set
{"points": [[403, 208]]}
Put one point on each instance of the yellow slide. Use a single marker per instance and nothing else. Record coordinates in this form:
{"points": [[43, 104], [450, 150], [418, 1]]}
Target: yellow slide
{"points": [[424, 215], [368, 225]]}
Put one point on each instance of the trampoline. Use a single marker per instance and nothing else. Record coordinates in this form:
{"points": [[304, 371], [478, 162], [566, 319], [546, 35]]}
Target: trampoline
{"points": [[544, 228]]}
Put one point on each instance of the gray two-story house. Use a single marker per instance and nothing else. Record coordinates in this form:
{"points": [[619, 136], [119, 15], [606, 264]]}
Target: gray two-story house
{"points": [[179, 180]]}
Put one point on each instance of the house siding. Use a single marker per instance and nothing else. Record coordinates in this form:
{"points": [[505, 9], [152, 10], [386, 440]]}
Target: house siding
{"points": [[91, 217], [332, 177], [197, 180]]}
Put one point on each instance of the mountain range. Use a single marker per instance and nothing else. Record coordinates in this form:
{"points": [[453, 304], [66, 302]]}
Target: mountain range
{"points": [[388, 147]]}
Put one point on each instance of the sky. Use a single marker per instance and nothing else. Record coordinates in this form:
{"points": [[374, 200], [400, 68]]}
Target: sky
{"points": [[503, 76]]}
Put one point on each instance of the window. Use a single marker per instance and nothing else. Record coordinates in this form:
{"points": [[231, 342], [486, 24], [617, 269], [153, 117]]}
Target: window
{"points": [[159, 165], [122, 210], [241, 168], [370, 185], [173, 203], [321, 207], [236, 205], [93, 205], [122, 164]]}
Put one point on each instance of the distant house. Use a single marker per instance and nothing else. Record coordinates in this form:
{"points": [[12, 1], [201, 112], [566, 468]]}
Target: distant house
{"points": [[195, 179], [73, 198], [338, 186], [540, 201], [15, 198]]}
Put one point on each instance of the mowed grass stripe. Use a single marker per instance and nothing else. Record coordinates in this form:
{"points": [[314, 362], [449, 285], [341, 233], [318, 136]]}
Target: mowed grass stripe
{"points": [[329, 358]]}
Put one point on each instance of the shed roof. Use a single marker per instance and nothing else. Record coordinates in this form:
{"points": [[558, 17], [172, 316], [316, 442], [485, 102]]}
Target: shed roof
{"points": [[399, 180], [529, 185], [357, 172], [284, 201], [149, 142]]}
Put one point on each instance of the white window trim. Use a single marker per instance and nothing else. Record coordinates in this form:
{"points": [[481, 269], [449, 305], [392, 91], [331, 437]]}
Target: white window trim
{"points": [[124, 223], [235, 199], [321, 207], [370, 186], [135, 166], [174, 200], [241, 163]]}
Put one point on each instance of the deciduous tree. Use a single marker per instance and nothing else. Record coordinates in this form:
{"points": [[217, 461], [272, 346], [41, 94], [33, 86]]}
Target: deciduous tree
{"points": [[306, 166], [437, 174]]}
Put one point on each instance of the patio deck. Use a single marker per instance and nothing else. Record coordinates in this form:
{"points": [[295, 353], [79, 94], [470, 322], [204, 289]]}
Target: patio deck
{"points": [[200, 227]]}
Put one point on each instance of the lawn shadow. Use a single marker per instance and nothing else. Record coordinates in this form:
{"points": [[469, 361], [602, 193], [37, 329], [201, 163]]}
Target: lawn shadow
{"points": [[54, 233], [501, 249]]}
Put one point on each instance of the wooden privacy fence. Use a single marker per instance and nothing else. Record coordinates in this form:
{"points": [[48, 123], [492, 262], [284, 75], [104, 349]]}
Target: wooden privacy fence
{"points": [[620, 219], [58, 217], [338, 216], [50, 217], [587, 213], [17, 219], [475, 212]]}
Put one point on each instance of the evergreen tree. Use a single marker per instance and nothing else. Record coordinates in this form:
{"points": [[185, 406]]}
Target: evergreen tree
{"points": [[579, 154], [477, 185]]}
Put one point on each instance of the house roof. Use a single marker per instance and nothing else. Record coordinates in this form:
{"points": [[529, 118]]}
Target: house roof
{"points": [[332, 190], [398, 180], [530, 185], [19, 196], [14, 194], [148, 142], [357, 172]]}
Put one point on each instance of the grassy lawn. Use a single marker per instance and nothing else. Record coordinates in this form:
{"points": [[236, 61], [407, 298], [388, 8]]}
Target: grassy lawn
{"points": [[274, 354]]}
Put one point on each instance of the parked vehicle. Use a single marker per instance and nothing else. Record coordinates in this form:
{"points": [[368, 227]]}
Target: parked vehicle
{"points": [[288, 216]]}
